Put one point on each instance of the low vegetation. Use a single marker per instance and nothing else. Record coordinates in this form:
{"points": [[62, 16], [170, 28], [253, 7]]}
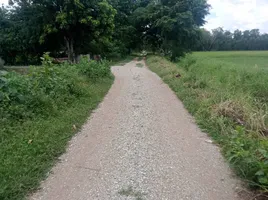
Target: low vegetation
{"points": [[228, 99], [139, 65], [130, 192], [39, 112]]}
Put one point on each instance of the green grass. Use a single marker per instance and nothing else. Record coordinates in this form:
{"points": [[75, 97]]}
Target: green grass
{"points": [[139, 65], [122, 61], [130, 192], [28, 149], [242, 59], [139, 58], [229, 101]]}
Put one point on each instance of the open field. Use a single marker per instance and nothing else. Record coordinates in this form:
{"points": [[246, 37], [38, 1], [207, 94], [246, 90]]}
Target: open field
{"points": [[227, 93], [244, 59]]}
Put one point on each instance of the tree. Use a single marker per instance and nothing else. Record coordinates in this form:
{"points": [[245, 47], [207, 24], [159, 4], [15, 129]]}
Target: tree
{"points": [[172, 25], [125, 38], [205, 41], [223, 40], [80, 24], [20, 31], [29, 28], [83, 24]]}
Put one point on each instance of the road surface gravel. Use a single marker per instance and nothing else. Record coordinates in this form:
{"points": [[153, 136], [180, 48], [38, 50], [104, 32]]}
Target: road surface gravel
{"points": [[140, 144]]}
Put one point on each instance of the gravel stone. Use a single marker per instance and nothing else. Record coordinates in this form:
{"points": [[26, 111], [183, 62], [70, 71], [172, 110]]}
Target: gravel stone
{"points": [[140, 144]]}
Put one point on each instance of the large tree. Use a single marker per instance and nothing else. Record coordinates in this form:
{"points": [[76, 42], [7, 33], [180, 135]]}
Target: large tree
{"points": [[81, 26], [171, 25], [20, 29], [125, 37], [99, 26]]}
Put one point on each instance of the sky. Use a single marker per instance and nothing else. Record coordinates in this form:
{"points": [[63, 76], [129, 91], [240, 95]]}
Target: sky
{"points": [[3, 2], [234, 14], [238, 14]]}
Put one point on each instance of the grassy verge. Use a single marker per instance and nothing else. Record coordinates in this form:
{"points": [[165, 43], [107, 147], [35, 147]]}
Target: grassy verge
{"points": [[31, 142], [227, 102]]}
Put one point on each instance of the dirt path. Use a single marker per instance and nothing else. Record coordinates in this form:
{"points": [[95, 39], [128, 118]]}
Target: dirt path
{"points": [[140, 144]]}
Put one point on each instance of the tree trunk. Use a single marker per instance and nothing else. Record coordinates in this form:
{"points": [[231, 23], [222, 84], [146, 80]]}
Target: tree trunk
{"points": [[70, 49], [77, 58]]}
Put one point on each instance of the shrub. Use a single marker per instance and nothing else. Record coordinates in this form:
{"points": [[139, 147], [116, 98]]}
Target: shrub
{"points": [[14, 92], [47, 88], [43, 90], [38, 111], [94, 69]]}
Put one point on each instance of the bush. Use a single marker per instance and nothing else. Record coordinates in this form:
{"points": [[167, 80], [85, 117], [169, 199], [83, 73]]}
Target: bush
{"points": [[38, 112], [45, 89], [40, 92], [94, 69]]}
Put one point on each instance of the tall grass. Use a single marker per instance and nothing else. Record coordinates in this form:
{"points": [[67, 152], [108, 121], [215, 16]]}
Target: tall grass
{"points": [[230, 103], [38, 112]]}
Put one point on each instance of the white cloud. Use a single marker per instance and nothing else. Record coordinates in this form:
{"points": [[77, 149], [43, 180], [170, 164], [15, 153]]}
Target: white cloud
{"points": [[238, 14], [5, 2]]}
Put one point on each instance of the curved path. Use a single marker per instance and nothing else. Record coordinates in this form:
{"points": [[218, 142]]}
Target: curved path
{"points": [[140, 144]]}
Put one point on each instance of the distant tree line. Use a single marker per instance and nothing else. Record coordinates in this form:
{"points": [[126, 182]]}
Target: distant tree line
{"points": [[107, 27], [224, 40]]}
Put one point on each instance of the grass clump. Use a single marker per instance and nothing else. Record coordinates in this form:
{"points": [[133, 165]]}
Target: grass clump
{"points": [[139, 65], [228, 101], [37, 114], [122, 61], [129, 192]]}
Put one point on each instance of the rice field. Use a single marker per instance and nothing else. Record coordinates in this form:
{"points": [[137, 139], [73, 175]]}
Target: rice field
{"points": [[243, 59]]}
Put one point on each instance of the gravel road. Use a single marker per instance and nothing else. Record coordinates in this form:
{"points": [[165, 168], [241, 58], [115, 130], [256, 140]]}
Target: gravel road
{"points": [[140, 144]]}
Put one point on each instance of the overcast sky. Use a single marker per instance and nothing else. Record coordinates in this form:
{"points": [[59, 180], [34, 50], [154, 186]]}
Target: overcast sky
{"points": [[3, 2], [234, 14], [238, 14]]}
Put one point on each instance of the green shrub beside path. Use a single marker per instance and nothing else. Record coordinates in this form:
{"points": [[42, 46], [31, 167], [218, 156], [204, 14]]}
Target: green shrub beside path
{"points": [[38, 112]]}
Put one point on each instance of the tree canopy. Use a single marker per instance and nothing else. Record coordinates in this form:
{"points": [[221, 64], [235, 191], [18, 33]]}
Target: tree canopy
{"points": [[171, 26], [108, 27]]}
